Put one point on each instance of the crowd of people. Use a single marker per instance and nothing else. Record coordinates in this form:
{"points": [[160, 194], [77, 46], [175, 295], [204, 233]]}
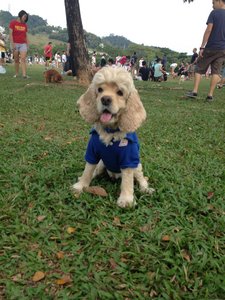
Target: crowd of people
{"points": [[17, 54], [208, 62], [139, 68], [156, 70]]}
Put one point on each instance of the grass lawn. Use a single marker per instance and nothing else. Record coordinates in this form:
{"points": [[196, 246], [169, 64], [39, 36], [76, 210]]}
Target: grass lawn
{"points": [[55, 246]]}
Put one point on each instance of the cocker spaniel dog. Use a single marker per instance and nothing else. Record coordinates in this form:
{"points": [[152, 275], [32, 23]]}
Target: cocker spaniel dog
{"points": [[52, 76], [113, 107]]}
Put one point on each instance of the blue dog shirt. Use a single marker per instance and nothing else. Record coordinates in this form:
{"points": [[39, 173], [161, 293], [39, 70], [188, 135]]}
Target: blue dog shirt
{"points": [[120, 155]]}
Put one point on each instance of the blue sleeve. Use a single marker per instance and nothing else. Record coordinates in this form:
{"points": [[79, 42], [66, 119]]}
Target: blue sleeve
{"points": [[92, 155], [210, 18]]}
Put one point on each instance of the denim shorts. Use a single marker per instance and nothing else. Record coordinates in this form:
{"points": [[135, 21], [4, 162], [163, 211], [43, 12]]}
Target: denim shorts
{"points": [[20, 47], [214, 58]]}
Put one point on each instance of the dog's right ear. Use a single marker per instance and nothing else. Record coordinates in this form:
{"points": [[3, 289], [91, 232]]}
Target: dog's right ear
{"points": [[87, 105]]}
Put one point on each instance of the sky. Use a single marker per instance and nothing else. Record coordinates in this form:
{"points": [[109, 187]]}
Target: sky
{"points": [[161, 23]]}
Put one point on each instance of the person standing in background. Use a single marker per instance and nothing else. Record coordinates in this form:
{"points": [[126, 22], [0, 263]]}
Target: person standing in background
{"points": [[194, 59], [48, 54], [64, 60], [70, 59], [19, 43], [2, 54], [212, 49], [164, 62], [133, 64], [93, 59]]}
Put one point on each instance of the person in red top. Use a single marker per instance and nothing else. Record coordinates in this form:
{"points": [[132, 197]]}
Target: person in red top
{"points": [[19, 43], [48, 54]]}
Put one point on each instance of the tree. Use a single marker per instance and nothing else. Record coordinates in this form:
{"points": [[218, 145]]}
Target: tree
{"points": [[79, 50]]}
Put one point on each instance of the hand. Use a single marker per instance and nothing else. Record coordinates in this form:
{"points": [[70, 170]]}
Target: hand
{"points": [[12, 47], [201, 52]]}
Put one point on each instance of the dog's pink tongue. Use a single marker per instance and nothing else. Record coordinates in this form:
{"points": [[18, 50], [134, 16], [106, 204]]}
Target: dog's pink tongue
{"points": [[105, 117]]}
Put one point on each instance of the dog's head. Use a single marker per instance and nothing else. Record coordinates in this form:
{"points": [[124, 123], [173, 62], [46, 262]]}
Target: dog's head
{"points": [[53, 76], [58, 78], [112, 101]]}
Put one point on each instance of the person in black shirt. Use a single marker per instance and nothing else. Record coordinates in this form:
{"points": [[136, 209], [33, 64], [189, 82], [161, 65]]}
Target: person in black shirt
{"points": [[193, 62], [144, 71]]}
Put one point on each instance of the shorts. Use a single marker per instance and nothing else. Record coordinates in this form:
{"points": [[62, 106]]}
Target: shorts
{"points": [[20, 47], [48, 58], [2, 55], [192, 69], [213, 58]]}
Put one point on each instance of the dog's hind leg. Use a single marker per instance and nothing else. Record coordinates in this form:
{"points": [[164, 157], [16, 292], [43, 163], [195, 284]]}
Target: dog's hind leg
{"points": [[142, 181], [99, 169], [85, 179]]}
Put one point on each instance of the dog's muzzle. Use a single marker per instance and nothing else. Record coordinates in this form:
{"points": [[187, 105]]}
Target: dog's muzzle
{"points": [[106, 100], [106, 114]]}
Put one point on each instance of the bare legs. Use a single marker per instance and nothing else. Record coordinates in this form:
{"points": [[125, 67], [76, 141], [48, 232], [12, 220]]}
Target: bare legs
{"points": [[16, 62], [214, 80], [20, 59], [197, 81]]}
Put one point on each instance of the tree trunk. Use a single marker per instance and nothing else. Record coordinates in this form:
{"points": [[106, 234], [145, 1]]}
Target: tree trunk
{"points": [[76, 39]]}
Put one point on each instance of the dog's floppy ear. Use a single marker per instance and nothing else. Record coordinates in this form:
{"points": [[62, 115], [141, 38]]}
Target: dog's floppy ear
{"points": [[87, 105], [133, 115]]}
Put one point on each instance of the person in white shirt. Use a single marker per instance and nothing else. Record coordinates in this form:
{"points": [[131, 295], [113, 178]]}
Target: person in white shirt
{"points": [[64, 60]]}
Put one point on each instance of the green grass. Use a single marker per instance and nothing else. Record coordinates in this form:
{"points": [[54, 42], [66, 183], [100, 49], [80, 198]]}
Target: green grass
{"points": [[171, 246]]}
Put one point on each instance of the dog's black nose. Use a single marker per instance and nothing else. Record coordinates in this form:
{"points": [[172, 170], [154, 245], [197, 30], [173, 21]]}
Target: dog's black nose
{"points": [[106, 100]]}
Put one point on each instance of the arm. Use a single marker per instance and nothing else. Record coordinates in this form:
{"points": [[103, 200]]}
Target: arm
{"points": [[11, 38], [27, 40], [206, 37], [46, 50], [161, 69], [27, 37]]}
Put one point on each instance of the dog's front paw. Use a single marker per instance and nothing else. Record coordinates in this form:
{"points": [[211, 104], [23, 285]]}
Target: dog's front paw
{"points": [[77, 188], [126, 201], [148, 190]]}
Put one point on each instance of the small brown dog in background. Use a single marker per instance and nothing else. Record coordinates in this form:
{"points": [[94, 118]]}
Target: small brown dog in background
{"points": [[52, 76]]}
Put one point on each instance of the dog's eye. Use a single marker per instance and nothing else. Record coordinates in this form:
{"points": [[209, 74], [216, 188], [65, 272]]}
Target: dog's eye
{"points": [[100, 90], [120, 93]]}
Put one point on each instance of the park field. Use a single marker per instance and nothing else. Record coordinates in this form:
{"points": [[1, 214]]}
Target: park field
{"points": [[56, 246]]}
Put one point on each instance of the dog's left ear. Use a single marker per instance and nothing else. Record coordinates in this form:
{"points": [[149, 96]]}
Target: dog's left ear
{"points": [[133, 115]]}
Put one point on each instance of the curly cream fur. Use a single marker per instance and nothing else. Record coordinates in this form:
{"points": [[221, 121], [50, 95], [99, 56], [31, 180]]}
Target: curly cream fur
{"points": [[129, 116], [112, 92]]}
